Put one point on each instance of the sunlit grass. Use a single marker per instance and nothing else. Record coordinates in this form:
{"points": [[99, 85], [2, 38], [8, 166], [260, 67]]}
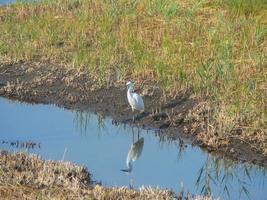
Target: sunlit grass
{"points": [[245, 7], [213, 49]]}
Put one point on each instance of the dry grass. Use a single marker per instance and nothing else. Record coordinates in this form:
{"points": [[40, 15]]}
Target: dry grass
{"points": [[30, 170], [29, 177]]}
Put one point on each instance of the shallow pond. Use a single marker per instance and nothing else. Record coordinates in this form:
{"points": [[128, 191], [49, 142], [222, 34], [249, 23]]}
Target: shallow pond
{"points": [[4, 2], [102, 146]]}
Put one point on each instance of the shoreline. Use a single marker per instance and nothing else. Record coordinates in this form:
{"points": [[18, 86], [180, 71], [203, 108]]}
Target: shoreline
{"points": [[47, 83], [27, 176]]}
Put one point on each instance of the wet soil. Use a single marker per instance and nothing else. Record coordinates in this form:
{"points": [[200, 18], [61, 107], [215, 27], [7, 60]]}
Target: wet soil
{"points": [[71, 88]]}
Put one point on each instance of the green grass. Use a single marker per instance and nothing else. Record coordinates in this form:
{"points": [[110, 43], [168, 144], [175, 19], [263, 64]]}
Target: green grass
{"points": [[245, 7], [213, 49]]}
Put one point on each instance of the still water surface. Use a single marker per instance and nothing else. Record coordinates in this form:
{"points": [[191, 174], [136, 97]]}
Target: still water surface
{"points": [[88, 139], [5, 2]]}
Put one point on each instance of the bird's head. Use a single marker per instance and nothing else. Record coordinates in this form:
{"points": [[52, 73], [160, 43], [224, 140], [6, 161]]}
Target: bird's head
{"points": [[129, 168], [129, 85]]}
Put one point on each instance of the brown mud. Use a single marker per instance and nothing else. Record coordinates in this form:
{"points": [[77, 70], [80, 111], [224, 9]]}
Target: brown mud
{"points": [[42, 82]]}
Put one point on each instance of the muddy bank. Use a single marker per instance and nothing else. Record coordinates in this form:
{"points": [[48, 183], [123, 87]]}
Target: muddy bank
{"points": [[26, 176], [75, 89]]}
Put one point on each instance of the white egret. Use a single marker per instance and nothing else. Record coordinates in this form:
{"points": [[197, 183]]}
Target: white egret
{"points": [[133, 154], [135, 100]]}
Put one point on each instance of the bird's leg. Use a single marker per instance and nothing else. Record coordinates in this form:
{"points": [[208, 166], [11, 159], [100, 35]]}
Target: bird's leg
{"points": [[133, 114], [133, 135], [133, 117]]}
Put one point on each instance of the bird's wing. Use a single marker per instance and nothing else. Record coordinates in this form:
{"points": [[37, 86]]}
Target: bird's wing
{"points": [[130, 98], [138, 101], [136, 149], [138, 90]]}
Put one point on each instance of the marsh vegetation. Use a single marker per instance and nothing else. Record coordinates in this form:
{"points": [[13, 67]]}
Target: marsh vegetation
{"points": [[210, 54], [214, 50]]}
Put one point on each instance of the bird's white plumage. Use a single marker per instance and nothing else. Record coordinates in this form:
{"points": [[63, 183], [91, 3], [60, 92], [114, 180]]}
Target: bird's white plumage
{"points": [[135, 151], [134, 99], [129, 83], [133, 154]]}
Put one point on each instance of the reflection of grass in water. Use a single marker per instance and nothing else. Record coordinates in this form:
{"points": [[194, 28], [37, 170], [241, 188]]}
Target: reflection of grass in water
{"points": [[222, 173], [100, 121], [82, 120], [164, 140]]}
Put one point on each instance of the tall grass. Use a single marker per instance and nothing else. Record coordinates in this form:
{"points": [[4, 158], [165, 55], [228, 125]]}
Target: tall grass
{"points": [[245, 7], [214, 49]]}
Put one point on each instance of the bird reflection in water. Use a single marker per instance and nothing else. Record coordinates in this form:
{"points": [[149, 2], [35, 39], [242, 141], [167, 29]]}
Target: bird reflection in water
{"points": [[133, 154]]}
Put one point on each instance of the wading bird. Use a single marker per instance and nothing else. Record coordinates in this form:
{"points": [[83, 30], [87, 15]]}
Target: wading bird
{"points": [[133, 154], [135, 100]]}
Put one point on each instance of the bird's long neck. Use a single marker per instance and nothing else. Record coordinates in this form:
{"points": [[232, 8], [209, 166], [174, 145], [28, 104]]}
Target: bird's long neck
{"points": [[131, 90], [129, 166]]}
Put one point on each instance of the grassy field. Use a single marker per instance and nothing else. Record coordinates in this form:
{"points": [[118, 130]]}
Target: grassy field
{"points": [[214, 49]]}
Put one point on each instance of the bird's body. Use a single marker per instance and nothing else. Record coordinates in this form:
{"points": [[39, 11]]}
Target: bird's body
{"points": [[135, 100], [133, 154], [135, 151]]}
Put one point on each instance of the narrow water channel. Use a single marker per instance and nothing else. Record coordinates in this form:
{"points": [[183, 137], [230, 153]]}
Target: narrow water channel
{"points": [[102, 146], [5, 2]]}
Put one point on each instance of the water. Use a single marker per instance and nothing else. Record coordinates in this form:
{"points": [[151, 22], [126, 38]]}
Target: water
{"points": [[5, 2], [88, 139]]}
